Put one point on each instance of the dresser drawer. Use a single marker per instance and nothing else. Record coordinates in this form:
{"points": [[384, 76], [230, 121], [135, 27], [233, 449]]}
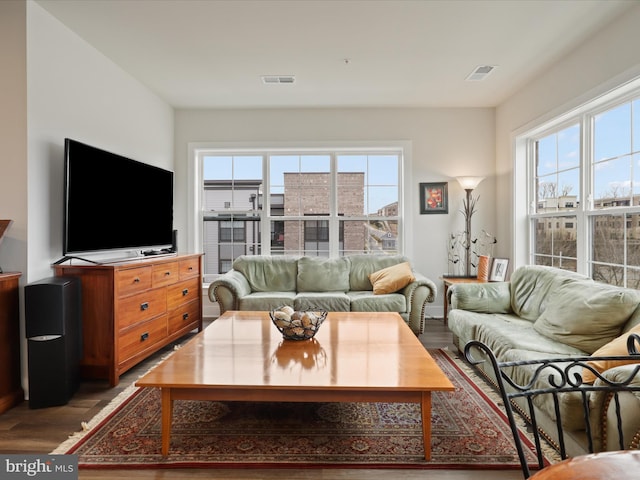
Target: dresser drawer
{"points": [[125, 315], [185, 316], [133, 280], [165, 274], [141, 307], [142, 337], [189, 268], [183, 292]]}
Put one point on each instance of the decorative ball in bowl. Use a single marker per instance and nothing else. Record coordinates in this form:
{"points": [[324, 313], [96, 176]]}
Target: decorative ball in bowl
{"points": [[297, 325]]}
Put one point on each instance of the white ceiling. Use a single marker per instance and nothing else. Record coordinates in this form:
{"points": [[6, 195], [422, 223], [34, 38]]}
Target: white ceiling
{"points": [[212, 53]]}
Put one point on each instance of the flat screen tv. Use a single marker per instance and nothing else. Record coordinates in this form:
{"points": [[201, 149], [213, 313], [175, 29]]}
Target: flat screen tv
{"points": [[114, 203]]}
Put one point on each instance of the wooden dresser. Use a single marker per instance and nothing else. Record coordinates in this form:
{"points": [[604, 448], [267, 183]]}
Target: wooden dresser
{"points": [[132, 309], [10, 379]]}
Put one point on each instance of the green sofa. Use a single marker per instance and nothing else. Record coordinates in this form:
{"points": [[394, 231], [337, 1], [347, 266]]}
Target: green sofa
{"points": [[544, 312], [263, 282]]}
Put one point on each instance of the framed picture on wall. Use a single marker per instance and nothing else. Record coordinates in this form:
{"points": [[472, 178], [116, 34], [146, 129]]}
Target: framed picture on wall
{"points": [[498, 271], [4, 226], [434, 197]]}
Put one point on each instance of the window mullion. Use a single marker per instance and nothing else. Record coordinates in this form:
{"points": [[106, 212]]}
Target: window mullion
{"points": [[625, 270], [532, 154], [265, 214], [334, 222], [583, 220]]}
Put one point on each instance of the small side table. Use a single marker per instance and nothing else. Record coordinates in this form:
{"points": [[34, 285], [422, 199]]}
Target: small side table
{"points": [[448, 281]]}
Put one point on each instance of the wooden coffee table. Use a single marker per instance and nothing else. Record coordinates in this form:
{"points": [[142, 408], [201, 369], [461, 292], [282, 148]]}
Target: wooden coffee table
{"points": [[354, 357]]}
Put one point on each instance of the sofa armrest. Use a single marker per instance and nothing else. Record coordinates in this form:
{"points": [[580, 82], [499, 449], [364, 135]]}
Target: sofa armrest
{"points": [[603, 415], [494, 297], [227, 289], [418, 293]]}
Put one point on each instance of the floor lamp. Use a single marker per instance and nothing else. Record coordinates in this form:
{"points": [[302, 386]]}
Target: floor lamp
{"points": [[469, 208]]}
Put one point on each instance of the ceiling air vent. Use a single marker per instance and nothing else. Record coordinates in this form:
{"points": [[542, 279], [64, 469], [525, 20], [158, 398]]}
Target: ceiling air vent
{"points": [[480, 73], [274, 79]]}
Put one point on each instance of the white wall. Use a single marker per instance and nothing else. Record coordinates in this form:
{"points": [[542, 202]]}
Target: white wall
{"points": [[74, 91], [608, 59], [445, 143], [13, 134]]}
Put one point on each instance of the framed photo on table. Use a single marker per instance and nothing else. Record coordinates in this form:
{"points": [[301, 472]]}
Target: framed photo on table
{"points": [[498, 272], [434, 198]]}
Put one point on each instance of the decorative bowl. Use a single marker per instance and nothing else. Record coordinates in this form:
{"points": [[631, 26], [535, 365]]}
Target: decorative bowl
{"points": [[297, 325]]}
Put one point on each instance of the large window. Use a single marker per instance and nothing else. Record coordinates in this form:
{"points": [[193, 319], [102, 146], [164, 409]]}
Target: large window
{"points": [[585, 180], [318, 203], [557, 189]]}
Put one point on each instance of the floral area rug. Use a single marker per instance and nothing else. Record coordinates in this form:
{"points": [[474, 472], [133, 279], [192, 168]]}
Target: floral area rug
{"points": [[469, 431]]}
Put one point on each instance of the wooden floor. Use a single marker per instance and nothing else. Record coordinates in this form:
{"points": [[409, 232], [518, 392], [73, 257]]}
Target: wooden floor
{"points": [[23, 430]]}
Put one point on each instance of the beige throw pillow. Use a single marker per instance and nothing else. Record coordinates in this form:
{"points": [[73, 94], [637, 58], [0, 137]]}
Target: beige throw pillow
{"points": [[614, 347], [391, 279]]}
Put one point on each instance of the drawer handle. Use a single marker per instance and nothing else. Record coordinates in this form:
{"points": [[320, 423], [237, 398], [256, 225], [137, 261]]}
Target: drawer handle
{"points": [[144, 336], [185, 316], [190, 268], [136, 280], [167, 274], [185, 292], [144, 306]]}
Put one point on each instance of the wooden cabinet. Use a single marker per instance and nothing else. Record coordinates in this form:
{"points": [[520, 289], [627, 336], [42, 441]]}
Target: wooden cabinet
{"points": [[10, 382], [132, 309]]}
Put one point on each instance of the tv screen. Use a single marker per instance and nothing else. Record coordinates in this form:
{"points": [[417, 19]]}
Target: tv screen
{"points": [[113, 202]]}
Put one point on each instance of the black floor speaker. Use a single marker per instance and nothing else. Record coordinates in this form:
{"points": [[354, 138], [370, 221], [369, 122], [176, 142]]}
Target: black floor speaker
{"points": [[53, 321]]}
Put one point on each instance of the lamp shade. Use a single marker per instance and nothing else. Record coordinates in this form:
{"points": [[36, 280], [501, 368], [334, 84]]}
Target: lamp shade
{"points": [[469, 183]]}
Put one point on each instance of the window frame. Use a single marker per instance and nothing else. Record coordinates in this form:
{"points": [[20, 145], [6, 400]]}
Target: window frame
{"points": [[196, 152], [585, 213]]}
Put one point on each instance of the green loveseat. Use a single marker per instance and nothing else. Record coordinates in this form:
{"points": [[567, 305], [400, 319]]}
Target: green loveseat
{"points": [[544, 312], [263, 282]]}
